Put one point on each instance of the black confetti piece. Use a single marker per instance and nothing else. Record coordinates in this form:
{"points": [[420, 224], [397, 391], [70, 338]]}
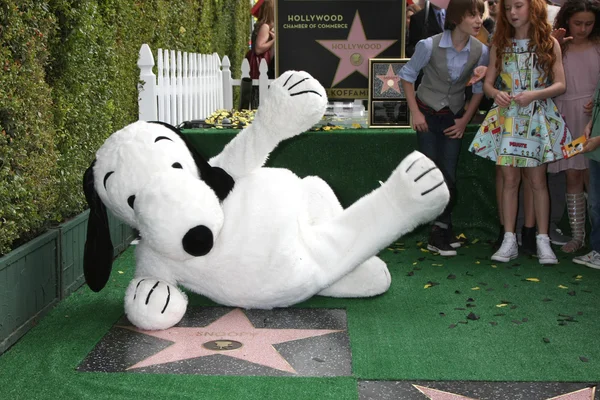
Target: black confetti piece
{"points": [[513, 307], [442, 314], [585, 290], [505, 301], [411, 273], [493, 323], [563, 323], [547, 299], [584, 359], [473, 317], [499, 315], [516, 321], [571, 293], [470, 305], [516, 265], [421, 258], [470, 300], [546, 340], [451, 276], [318, 359], [469, 274], [452, 326], [457, 292]]}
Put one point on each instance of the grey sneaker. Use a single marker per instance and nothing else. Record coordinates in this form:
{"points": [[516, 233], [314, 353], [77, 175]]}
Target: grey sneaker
{"points": [[556, 236], [508, 250], [591, 259], [544, 250]]}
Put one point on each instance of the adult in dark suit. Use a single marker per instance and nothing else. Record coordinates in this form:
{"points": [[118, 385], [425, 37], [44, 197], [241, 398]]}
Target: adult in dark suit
{"points": [[418, 29]]}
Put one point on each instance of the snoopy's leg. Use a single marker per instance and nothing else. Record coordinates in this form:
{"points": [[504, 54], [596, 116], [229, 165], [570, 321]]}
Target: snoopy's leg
{"points": [[369, 278], [415, 193], [153, 304]]}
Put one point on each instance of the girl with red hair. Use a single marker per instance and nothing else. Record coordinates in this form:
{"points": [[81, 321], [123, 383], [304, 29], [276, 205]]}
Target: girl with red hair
{"points": [[523, 130]]}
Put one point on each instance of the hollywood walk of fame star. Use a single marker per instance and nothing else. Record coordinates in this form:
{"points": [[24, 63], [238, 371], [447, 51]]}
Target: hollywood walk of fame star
{"points": [[355, 51], [390, 80], [257, 344], [434, 394]]}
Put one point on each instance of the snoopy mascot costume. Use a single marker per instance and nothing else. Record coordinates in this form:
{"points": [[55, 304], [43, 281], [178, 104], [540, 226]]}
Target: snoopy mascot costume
{"points": [[236, 232]]}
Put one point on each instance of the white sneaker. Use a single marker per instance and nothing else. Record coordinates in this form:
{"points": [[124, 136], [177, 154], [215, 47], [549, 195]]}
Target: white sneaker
{"points": [[591, 259], [508, 250], [544, 250]]}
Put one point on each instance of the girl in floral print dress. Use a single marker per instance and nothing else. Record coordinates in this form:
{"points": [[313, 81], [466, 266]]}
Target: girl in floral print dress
{"points": [[523, 130]]}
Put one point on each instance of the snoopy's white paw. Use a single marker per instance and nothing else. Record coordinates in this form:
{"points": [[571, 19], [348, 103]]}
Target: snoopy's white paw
{"points": [[418, 185], [295, 102], [152, 304]]}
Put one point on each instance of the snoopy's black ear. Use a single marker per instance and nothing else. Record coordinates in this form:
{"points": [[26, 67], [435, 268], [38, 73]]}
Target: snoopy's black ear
{"points": [[217, 178], [98, 251]]}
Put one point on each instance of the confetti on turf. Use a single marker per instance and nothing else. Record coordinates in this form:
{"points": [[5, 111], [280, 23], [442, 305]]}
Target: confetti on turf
{"points": [[442, 314], [411, 273], [477, 262], [475, 241], [578, 277], [121, 272], [516, 322], [475, 288], [562, 287], [546, 340], [493, 323], [451, 276], [424, 250], [501, 305], [437, 265], [571, 293], [584, 359], [419, 244], [532, 279], [452, 326], [473, 316]]}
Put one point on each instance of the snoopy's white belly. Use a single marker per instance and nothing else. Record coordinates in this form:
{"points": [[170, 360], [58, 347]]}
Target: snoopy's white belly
{"points": [[259, 259]]}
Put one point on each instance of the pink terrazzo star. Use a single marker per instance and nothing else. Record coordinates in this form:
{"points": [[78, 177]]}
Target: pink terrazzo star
{"points": [[434, 394], [355, 51], [390, 80], [257, 344]]}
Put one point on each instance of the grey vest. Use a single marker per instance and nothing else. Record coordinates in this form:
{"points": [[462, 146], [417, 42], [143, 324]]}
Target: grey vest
{"points": [[435, 75]]}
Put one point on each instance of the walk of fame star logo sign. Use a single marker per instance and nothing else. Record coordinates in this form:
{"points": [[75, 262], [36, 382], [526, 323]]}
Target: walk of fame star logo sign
{"points": [[224, 341], [334, 40]]}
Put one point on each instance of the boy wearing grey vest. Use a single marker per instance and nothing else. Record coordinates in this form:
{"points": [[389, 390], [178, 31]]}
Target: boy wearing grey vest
{"points": [[438, 107]]}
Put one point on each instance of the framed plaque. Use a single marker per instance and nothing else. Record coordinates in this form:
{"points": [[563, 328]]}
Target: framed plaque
{"points": [[387, 102]]}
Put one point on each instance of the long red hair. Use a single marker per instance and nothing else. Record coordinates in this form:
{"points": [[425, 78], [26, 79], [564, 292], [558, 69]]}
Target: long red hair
{"points": [[540, 37]]}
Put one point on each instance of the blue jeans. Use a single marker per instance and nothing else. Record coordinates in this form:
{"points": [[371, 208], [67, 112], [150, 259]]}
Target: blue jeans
{"points": [[444, 152], [594, 204]]}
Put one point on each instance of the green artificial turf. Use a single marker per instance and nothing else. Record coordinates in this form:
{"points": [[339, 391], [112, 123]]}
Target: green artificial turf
{"points": [[519, 330]]}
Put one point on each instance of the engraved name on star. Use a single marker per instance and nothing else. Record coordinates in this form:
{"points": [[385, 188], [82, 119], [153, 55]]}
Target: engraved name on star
{"points": [[257, 342], [355, 51], [390, 80]]}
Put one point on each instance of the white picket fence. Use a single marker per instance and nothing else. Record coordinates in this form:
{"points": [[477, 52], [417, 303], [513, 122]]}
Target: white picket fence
{"points": [[189, 86]]}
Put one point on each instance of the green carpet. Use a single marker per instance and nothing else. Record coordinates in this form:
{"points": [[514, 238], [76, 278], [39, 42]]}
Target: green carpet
{"points": [[463, 318]]}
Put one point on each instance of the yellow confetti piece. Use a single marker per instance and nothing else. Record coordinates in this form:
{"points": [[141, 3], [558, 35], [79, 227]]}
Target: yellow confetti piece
{"points": [[461, 236], [419, 244], [425, 250], [501, 305], [578, 277], [475, 241], [475, 288], [437, 265], [477, 262], [121, 272], [532, 279], [427, 286], [563, 287], [415, 263], [494, 266], [390, 249]]}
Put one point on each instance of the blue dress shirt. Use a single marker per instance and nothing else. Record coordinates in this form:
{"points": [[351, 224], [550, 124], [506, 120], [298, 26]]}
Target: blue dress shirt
{"points": [[455, 60]]}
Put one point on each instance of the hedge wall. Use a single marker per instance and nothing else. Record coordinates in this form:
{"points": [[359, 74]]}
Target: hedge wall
{"points": [[69, 79]]}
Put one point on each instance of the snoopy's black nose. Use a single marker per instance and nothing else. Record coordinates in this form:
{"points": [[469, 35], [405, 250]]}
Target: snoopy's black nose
{"points": [[198, 241]]}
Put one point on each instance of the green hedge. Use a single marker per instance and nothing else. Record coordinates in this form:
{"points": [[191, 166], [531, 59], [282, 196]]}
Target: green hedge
{"points": [[69, 79]]}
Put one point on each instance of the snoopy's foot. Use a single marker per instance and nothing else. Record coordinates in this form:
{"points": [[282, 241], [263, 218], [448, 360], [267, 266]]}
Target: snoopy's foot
{"points": [[417, 189], [368, 279], [152, 304]]}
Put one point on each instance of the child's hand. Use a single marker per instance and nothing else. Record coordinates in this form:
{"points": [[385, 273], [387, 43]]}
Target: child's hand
{"points": [[559, 34], [478, 74], [457, 130], [525, 98], [502, 99], [419, 122], [589, 107], [591, 144]]}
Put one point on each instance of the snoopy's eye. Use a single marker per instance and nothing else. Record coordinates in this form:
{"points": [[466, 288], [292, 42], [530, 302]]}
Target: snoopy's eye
{"points": [[177, 165], [130, 201]]}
